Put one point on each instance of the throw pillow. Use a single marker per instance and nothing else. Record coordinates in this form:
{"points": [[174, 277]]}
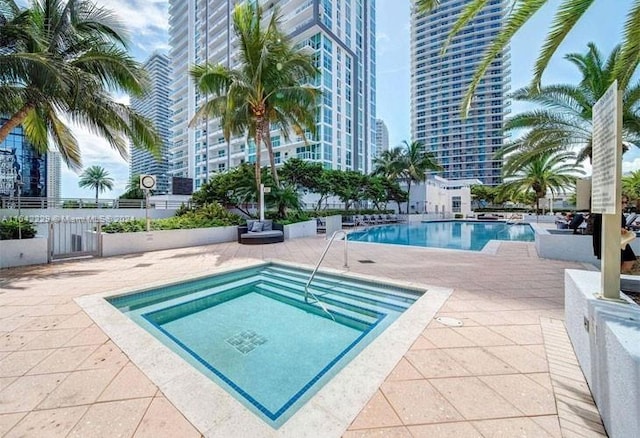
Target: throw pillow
{"points": [[268, 225], [256, 227]]}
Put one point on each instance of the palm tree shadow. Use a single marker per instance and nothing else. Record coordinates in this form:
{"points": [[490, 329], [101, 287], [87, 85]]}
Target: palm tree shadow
{"points": [[14, 275]]}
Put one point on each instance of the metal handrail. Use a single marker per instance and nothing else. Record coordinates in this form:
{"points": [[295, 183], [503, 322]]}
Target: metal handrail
{"points": [[307, 292]]}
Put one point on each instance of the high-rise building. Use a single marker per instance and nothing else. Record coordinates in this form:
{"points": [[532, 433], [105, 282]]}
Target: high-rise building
{"points": [[340, 34], [21, 166], [464, 147], [155, 106], [54, 180], [382, 136]]}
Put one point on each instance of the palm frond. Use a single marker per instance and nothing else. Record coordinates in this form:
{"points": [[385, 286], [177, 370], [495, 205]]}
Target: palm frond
{"points": [[518, 17], [567, 15]]}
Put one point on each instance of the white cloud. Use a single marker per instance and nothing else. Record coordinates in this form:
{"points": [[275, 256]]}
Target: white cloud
{"points": [[630, 166], [142, 17]]}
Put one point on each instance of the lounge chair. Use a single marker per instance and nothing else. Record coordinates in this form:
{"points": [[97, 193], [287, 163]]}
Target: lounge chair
{"points": [[259, 233]]}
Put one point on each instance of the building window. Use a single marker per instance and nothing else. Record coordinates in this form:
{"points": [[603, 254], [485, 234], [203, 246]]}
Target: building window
{"points": [[456, 204]]}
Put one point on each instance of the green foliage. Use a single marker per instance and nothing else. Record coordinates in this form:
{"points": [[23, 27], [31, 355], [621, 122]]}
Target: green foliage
{"points": [[292, 217], [233, 188], [568, 14], [562, 118], [530, 181], [209, 215], [133, 190], [407, 163], [66, 60], [13, 227], [96, 177], [271, 86]]}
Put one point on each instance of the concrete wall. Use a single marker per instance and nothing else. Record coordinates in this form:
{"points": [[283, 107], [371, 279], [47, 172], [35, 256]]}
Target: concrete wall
{"points": [[606, 339], [301, 229], [23, 252], [334, 223], [564, 245], [128, 243], [42, 216]]}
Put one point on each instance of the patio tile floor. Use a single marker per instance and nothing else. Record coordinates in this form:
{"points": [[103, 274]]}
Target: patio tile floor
{"points": [[508, 371]]}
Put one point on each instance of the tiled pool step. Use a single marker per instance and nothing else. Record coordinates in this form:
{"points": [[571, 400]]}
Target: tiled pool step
{"points": [[351, 297], [327, 281], [343, 315]]}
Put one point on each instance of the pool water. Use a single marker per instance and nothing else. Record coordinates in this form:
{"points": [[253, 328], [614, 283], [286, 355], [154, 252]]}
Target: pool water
{"points": [[468, 235], [252, 332]]}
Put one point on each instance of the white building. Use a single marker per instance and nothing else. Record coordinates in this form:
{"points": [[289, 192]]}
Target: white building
{"points": [[156, 107], [382, 136], [439, 196], [341, 33], [54, 171], [464, 147]]}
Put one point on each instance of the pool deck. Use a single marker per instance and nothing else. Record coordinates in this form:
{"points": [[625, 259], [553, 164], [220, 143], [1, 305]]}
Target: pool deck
{"points": [[508, 371]]}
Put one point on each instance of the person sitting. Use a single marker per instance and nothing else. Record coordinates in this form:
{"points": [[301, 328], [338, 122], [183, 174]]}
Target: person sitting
{"points": [[576, 221]]}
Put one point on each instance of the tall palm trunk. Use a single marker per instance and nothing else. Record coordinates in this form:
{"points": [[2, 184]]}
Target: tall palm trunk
{"points": [[408, 195], [272, 158], [15, 120]]}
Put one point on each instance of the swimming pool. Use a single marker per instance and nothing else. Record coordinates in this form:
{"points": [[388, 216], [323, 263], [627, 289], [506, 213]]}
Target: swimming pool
{"points": [[251, 332], [468, 235]]}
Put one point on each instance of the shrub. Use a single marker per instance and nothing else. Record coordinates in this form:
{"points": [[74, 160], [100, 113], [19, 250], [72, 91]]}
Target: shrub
{"points": [[207, 216], [14, 227], [293, 217]]}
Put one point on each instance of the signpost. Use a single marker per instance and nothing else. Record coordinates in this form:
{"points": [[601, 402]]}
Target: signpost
{"points": [[147, 183], [605, 185]]}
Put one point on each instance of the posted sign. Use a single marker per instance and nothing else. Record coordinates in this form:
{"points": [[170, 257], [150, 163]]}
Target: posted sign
{"points": [[607, 152]]}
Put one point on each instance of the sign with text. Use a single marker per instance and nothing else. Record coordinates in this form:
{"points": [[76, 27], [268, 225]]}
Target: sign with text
{"points": [[607, 152]]}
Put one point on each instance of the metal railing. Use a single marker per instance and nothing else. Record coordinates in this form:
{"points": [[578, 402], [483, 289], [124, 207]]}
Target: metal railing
{"points": [[42, 203], [307, 292]]}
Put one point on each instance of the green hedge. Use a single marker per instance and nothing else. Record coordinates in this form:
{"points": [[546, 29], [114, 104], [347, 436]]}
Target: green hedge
{"points": [[13, 228], [209, 215]]}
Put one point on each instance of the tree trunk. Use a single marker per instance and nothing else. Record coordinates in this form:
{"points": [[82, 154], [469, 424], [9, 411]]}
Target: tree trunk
{"points": [[97, 195], [14, 121], [257, 166], [272, 158], [408, 195]]}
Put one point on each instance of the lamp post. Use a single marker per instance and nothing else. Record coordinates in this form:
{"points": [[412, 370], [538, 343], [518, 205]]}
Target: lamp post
{"points": [[263, 190], [19, 185]]}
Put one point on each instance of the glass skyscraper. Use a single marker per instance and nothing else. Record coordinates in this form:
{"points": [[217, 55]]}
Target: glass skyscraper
{"points": [[156, 107], [464, 147], [341, 36], [19, 161]]}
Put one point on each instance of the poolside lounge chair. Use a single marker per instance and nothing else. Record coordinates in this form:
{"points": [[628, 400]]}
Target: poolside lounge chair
{"points": [[321, 225], [260, 233]]}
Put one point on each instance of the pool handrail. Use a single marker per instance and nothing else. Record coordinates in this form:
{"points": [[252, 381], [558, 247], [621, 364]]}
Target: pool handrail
{"points": [[307, 292]]}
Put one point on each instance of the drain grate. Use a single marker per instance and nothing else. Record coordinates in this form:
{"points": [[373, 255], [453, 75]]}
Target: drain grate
{"points": [[246, 341], [446, 320], [366, 261]]}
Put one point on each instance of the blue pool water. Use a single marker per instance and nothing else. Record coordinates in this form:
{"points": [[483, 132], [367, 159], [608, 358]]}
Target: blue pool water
{"points": [[469, 235], [252, 332]]}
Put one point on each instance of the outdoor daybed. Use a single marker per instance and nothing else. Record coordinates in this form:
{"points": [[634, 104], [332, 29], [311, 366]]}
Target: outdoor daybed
{"points": [[258, 233]]}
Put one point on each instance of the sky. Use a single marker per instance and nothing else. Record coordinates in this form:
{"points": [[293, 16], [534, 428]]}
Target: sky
{"points": [[147, 23]]}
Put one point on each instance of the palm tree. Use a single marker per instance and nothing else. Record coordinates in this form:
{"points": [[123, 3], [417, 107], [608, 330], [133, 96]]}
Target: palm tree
{"points": [[96, 177], [67, 58], [548, 171], [265, 89], [565, 120], [409, 163], [631, 186], [569, 13]]}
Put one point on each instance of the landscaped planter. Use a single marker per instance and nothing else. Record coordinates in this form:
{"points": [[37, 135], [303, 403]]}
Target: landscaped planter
{"points": [[23, 252], [300, 229], [564, 245], [606, 338], [129, 243]]}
